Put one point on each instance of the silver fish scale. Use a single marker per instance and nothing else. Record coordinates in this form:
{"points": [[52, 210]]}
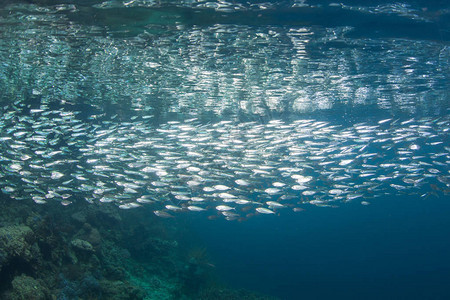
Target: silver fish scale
{"points": [[311, 162], [121, 155]]}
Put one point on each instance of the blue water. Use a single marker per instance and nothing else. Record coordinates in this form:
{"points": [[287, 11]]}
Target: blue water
{"points": [[342, 63], [395, 248]]}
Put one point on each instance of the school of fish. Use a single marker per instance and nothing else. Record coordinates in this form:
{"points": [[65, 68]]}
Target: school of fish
{"points": [[224, 169]]}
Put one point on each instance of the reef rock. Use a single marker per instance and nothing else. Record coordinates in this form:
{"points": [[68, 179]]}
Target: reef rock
{"points": [[82, 245], [27, 288], [16, 241], [79, 217], [121, 290]]}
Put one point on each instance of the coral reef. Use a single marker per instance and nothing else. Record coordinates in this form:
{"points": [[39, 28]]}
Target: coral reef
{"points": [[82, 245], [16, 243], [27, 288], [88, 251]]}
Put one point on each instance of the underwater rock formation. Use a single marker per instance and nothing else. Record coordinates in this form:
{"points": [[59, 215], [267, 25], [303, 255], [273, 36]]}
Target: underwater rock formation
{"points": [[27, 288], [83, 252], [16, 243], [82, 245]]}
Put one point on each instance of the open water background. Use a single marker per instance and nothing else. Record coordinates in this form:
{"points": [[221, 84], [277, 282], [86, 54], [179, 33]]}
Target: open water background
{"points": [[396, 248], [347, 62]]}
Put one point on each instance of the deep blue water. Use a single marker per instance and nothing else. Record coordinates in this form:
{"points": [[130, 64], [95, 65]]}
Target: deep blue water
{"points": [[342, 63], [395, 248]]}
